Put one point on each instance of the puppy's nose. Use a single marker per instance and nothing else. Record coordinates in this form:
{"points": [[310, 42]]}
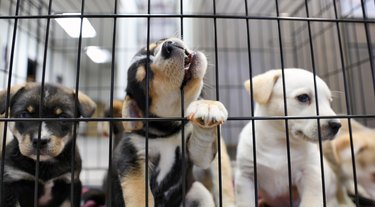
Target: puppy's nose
{"points": [[334, 126], [167, 49], [43, 142]]}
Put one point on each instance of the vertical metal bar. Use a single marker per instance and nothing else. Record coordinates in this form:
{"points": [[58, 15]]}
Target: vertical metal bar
{"points": [[316, 103], [252, 104], [8, 100], [76, 112], [347, 105], [183, 146], [360, 70], [217, 98], [41, 105], [285, 104], [147, 98], [109, 180], [369, 47]]}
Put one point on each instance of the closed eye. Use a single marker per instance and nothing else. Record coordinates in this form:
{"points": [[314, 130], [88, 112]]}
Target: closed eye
{"points": [[25, 114], [304, 98]]}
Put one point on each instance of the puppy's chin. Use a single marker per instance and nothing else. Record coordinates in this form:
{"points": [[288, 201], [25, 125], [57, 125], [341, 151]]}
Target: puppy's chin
{"points": [[46, 153], [299, 134]]}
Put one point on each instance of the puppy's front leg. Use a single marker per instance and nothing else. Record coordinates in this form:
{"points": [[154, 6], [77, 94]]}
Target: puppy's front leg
{"points": [[310, 188], [205, 116], [133, 186]]}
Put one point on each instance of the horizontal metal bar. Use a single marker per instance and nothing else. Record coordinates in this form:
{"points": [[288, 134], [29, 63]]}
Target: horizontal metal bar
{"points": [[209, 16], [184, 119]]}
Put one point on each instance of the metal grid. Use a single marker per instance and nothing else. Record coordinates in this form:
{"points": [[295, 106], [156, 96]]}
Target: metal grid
{"points": [[241, 39]]}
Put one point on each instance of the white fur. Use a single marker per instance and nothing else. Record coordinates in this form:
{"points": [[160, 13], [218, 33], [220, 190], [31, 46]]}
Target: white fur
{"points": [[162, 147], [200, 194], [271, 145]]}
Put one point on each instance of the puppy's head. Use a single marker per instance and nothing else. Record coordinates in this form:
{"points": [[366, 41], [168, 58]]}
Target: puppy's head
{"points": [[172, 67], [364, 152], [58, 102], [300, 100]]}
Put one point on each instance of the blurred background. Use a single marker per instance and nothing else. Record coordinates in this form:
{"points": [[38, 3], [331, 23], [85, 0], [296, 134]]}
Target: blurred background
{"points": [[232, 52]]}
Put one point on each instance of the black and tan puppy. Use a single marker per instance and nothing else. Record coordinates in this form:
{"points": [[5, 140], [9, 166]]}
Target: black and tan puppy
{"points": [[55, 145], [172, 66]]}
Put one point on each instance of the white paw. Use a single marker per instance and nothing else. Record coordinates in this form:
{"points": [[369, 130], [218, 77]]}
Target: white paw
{"points": [[206, 114]]}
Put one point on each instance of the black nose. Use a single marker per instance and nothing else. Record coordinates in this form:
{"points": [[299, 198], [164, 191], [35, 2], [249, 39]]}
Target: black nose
{"points": [[43, 142], [334, 126], [167, 49]]}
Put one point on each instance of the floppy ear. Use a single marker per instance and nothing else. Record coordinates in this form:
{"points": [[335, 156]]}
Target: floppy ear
{"points": [[87, 106], [130, 109], [3, 96], [263, 85]]}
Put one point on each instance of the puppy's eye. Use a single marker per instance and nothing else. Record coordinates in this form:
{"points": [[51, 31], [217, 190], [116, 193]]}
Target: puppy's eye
{"points": [[24, 114], [63, 117], [304, 98]]}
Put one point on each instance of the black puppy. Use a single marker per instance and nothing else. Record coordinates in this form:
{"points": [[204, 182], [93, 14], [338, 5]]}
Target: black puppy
{"points": [[173, 66], [55, 145]]}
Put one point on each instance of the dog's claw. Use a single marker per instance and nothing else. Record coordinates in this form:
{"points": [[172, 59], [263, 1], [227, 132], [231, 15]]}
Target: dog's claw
{"points": [[206, 114]]}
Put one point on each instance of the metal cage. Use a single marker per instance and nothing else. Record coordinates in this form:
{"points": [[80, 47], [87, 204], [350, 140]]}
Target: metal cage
{"points": [[241, 38]]}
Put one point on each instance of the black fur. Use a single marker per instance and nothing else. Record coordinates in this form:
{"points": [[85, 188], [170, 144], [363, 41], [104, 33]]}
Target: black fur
{"points": [[22, 190]]}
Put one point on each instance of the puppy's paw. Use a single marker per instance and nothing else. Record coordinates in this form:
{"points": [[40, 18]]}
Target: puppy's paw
{"points": [[207, 114]]}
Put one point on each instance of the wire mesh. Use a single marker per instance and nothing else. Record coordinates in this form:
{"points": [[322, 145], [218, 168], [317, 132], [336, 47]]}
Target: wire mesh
{"points": [[240, 38]]}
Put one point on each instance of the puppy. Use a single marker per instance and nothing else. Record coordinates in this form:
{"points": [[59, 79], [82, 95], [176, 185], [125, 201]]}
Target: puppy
{"points": [[173, 67], [271, 145], [338, 153], [55, 145], [208, 177]]}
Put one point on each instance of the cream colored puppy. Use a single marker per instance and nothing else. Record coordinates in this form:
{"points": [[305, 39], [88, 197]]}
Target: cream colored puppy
{"points": [[338, 152], [271, 144]]}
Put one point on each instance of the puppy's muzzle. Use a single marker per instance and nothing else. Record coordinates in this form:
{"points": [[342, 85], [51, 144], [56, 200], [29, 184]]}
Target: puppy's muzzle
{"points": [[168, 48], [330, 129], [334, 126], [43, 142]]}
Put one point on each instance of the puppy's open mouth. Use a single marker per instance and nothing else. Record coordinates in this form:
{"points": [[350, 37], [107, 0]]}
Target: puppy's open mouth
{"points": [[188, 59]]}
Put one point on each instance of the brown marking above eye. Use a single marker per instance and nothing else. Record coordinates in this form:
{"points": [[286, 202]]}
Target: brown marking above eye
{"points": [[30, 109], [140, 74], [58, 111], [152, 46]]}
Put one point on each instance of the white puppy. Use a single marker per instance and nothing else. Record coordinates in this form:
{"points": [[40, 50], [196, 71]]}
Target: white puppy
{"points": [[271, 144]]}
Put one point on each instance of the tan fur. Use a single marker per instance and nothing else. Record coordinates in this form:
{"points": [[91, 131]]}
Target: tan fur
{"points": [[133, 189], [264, 84], [151, 46], [228, 199], [130, 106], [58, 111], [339, 154], [140, 74], [162, 93], [30, 109]]}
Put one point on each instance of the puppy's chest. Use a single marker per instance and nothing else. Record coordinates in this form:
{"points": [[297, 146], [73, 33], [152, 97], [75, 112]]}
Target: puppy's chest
{"points": [[166, 157]]}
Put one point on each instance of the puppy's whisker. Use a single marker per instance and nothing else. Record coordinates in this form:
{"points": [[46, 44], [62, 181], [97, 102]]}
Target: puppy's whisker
{"points": [[337, 93]]}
